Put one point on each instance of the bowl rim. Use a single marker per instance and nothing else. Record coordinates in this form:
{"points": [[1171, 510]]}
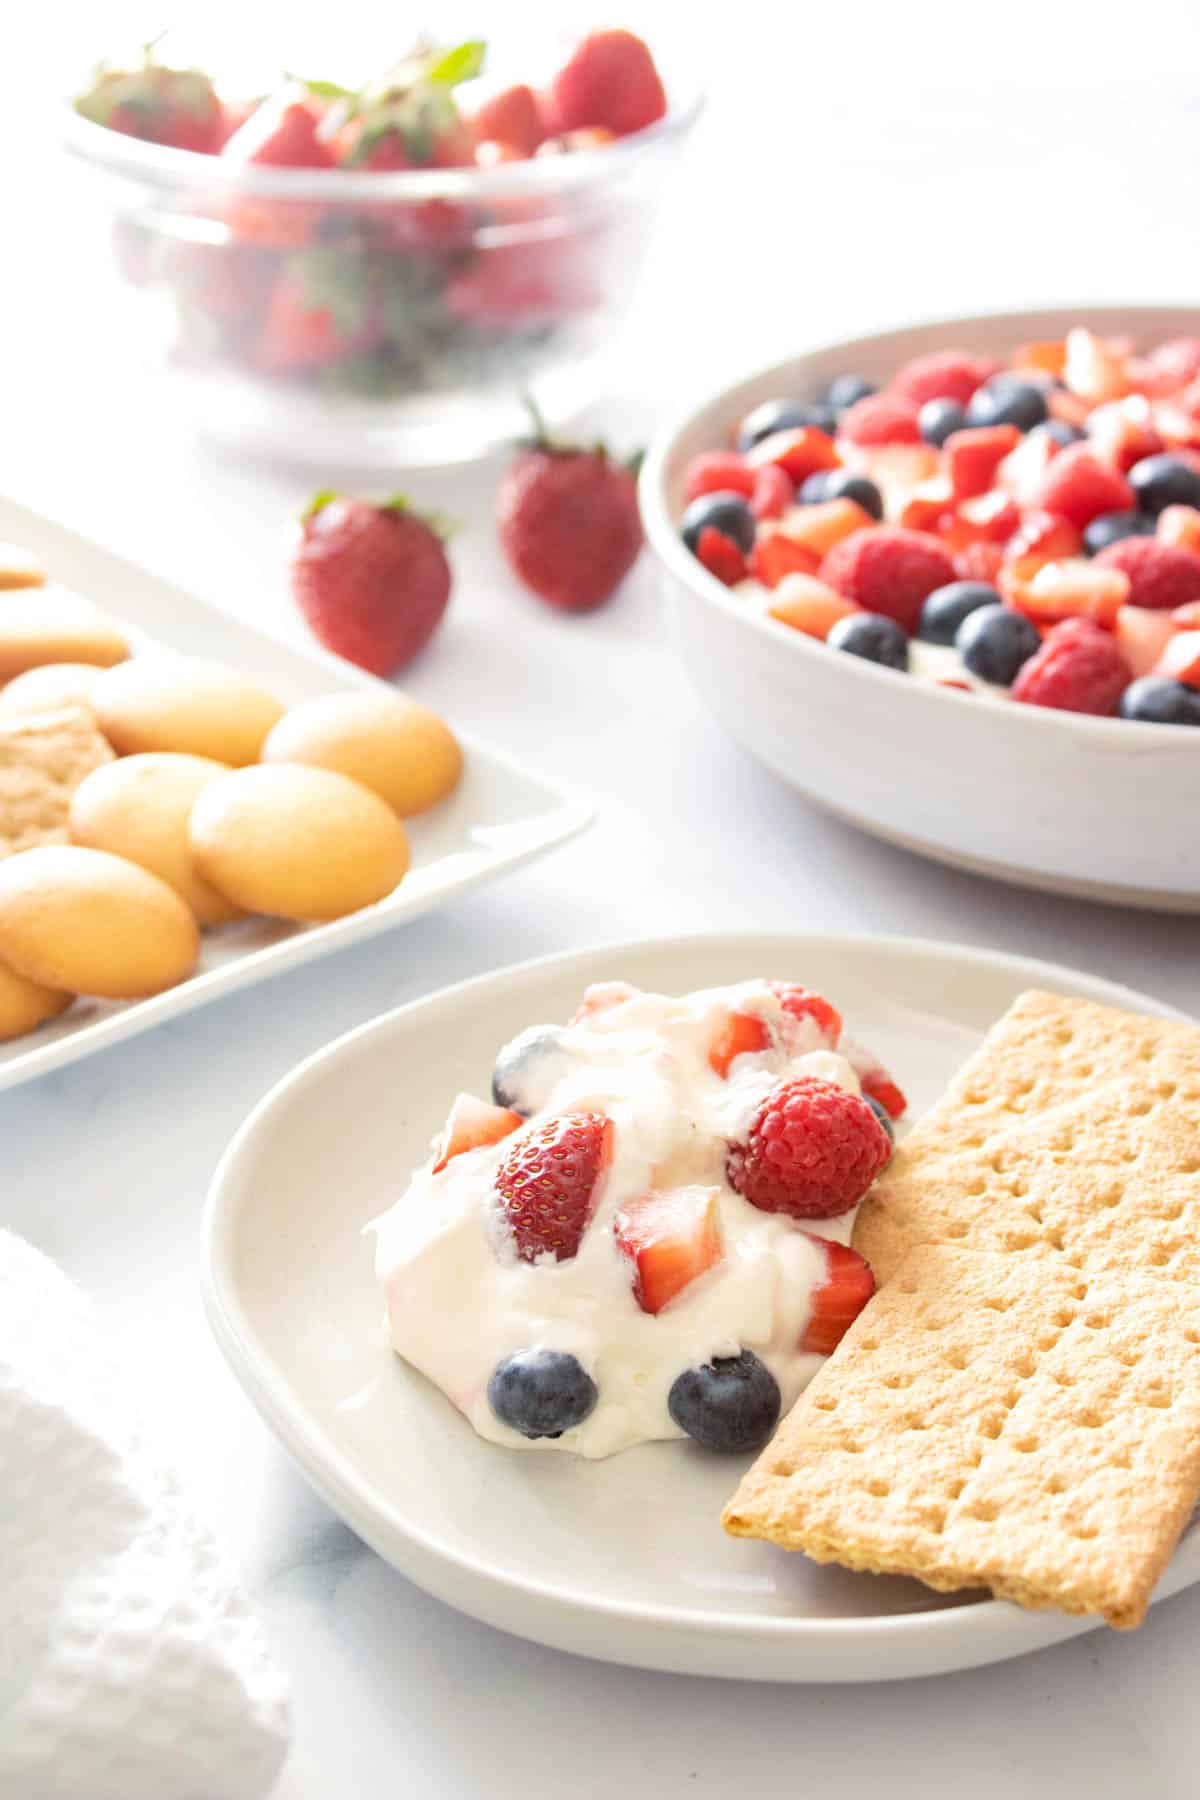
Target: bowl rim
{"points": [[189, 171], [662, 531]]}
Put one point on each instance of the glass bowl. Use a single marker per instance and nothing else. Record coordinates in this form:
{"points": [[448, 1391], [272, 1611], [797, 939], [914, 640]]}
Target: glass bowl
{"points": [[441, 295]]}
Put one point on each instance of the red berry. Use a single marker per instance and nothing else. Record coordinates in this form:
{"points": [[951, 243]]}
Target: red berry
{"points": [[281, 134], [1079, 487], [547, 1182], [160, 105], [719, 472], [837, 1302], [803, 451], [801, 1004], [881, 419], [671, 1239], [1078, 669], [944, 375], [372, 581], [877, 1084], [721, 556], [512, 117], [978, 562], [609, 80], [568, 522], [973, 456], [812, 1151], [739, 1034], [1180, 660], [775, 555], [1176, 362], [472, 1124], [888, 570], [1161, 576], [772, 493]]}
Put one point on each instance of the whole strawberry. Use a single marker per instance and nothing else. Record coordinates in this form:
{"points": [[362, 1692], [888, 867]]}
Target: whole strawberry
{"points": [[568, 521], [371, 579], [161, 105]]}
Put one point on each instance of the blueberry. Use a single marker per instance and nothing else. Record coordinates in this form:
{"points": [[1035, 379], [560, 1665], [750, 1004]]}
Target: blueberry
{"points": [[844, 390], [523, 1072], [994, 642], [1160, 481], [730, 1403], [1156, 700], [873, 637], [946, 608], [783, 415], [813, 489], [726, 513], [883, 1115], [1110, 528], [938, 418], [1006, 401], [541, 1393], [843, 484], [1060, 431]]}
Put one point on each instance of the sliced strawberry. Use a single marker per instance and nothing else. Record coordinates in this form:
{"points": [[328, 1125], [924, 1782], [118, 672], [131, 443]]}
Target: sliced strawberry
{"points": [[800, 453], [1142, 635], [718, 472], [877, 1084], [837, 1302], [772, 493], [825, 524], [1045, 357], [973, 456], [472, 1124], [1181, 658], [601, 996], [1072, 588], [739, 1034], [995, 515], [808, 605], [800, 1003], [1121, 432], [776, 554], [671, 1239], [546, 1183], [1094, 369], [721, 556], [1078, 486], [1042, 538], [1179, 525], [927, 507]]}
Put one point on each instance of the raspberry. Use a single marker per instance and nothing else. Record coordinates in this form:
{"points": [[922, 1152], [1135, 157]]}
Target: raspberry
{"points": [[1077, 486], [1161, 576], [720, 556], [881, 419], [944, 375], [888, 570], [717, 472], [974, 455], [812, 1151], [1078, 669], [772, 492], [546, 1182]]}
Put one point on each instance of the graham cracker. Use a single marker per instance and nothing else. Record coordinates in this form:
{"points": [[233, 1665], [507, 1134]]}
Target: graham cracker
{"points": [[1001, 1422], [1073, 1132], [43, 759]]}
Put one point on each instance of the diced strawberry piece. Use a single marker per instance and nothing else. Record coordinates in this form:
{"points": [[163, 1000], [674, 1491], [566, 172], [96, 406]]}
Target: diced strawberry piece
{"points": [[1072, 409], [1072, 588], [800, 453], [944, 375], [1187, 618], [1022, 472], [877, 1084], [1121, 432], [671, 1239], [1047, 357], [1175, 363], [1179, 427], [1094, 370], [928, 506], [602, 996], [1042, 538], [718, 472], [776, 554], [739, 1034], [1181, 658], [881, 419], [888, 570], [512, 117], [978, 562], [802, 1004], [1179, 525], [1161, 575], [995, 514], [839, 1299], [546, 1183], [772, 492], [808, 605], [1079, 487], [896, 469], [1141, 636], [973, 456], [821, 526], [1078, 669], [721, 556], [472, 1124]]}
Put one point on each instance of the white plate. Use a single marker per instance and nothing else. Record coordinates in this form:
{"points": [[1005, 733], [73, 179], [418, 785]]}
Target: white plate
{"points": [[499, 816], [622, 1559]]}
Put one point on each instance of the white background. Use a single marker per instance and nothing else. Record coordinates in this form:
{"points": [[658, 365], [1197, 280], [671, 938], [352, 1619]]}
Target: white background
{"points": [[858, 165]]}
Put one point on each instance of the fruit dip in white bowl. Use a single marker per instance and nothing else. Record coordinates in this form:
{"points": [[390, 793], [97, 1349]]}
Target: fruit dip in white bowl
{"points": [[646, 1234]]}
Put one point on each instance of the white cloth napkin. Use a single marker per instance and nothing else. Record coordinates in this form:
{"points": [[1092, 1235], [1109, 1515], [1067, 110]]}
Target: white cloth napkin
{"points": [[130, 1666]]}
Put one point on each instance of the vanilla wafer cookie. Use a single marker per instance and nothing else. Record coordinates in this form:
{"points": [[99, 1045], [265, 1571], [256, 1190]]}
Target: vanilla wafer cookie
{"points": [[997, 1422], [1074, 1131]]}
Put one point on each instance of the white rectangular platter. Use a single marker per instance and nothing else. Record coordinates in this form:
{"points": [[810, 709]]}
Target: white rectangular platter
{"points": [[500, 815]]}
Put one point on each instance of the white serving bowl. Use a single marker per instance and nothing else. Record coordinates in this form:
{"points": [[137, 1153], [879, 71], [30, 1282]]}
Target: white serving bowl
{"points": [[1100, 808]]}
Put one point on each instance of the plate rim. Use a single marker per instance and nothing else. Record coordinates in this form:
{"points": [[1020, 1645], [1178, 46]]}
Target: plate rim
{"points": [[333, 1474]]}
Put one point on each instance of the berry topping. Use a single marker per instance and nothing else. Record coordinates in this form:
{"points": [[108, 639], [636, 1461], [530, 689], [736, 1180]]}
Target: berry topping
{"points": [[1005, 400], [731, 1403], [527, 1068], [1157, 700], [881, 419], [777, 554], [872, 637], [837, 1302], [541, 1393], [799, 452], [1180, 525], [808, 605], [812, 1151], [547, 1181], [1079, 487], [994, 641], [802, 1004], [879, 1088], [1077, 669], [1161, 576], [721, 557], [671, 1239], [1111, 527], [844, 390], [718, 472], [946, 608], [739, 1034], [1073, 588], [973, 456], [821, 526], [1180, 660], [1162, 481], [608, 80], [939, 419], [784, 415], [723, 511], [568, 521], [844, 484], [1142, 636], [888, 570], [944, 375], [772, 492], [471, 1125]]}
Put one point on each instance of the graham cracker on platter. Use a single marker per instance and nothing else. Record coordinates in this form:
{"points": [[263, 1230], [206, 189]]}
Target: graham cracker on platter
{"points": [[1073, 1132], [43, 759], [997, 1421]]}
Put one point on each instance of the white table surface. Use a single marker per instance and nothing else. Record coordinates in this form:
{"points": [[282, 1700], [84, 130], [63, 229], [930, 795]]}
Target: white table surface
{"points": [[943, 195]]}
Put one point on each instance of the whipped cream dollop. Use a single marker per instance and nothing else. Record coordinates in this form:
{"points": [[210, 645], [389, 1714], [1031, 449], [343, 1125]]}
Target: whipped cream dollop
{"points": [[460, 1300]]}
